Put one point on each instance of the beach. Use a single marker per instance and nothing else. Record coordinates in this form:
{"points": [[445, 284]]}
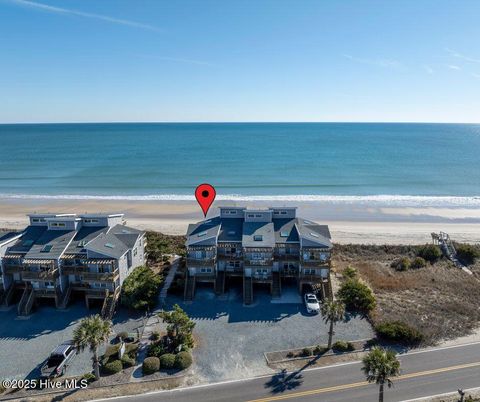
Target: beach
{"points": [[350, 222]]}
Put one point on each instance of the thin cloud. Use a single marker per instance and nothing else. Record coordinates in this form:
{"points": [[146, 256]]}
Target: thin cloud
{"points": [[454, 67], [462, 56], [475, 75], [428, 69], [67, 11], [385, 63]]}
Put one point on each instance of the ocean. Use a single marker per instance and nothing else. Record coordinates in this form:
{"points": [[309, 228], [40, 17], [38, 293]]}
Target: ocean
{"points": [[290, 161]]}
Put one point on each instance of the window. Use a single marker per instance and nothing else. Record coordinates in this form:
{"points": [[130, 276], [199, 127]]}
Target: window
{"points": [[135, 252], [205, 270], [276, 212], [46, 248], [284, 234], [81, 243], [57, 224], [234, 264], [258, 215], [314, 234], [283, 212], [250, 216], [201, 234], [231, 232], [309, 271], [90, 220], [257, 238], [109, 245], [27, 243]]}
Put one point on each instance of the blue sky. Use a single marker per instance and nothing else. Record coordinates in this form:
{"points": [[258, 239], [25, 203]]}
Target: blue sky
{"points": [[250, 60]]}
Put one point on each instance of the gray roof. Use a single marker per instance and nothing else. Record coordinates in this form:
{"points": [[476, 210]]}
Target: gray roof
{"points": [[83, 236], [5, 237], [204, 232], [287, 227], [314, 235], [263, 229], [231, 230], [51, 244], [29, 237], [116, 242]]}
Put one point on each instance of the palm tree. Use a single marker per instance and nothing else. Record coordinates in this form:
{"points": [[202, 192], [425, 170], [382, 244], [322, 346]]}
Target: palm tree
{"points": [[332, 312], [379, 366], [92, 332]]}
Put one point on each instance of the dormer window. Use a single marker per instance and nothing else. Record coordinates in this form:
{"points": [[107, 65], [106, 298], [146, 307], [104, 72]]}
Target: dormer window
{"points": [[46, 248], [109, 245], [283, 234], [257, 238]]}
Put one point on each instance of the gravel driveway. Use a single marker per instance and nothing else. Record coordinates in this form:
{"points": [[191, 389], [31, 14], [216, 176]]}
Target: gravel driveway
{"points": [[232, 338]]}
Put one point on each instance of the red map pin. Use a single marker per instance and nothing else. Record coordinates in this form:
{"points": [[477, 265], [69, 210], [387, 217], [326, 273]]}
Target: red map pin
{"points": [[205, 195]]}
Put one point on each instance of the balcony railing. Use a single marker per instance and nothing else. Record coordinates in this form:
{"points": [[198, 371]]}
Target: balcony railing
{"points": [[283, 257], [40, 275], [259, 262], [13, 268], [230, 257], [89, 275], [312, 278], [314, 262], [201, 261]]}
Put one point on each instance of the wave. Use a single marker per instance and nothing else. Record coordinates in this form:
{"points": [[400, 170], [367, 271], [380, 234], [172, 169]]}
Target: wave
{"points": [[385, 199]]}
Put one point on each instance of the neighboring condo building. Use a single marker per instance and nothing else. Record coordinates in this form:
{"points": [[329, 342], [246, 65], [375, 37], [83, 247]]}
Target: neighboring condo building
{"points": [[59, 255], [268, 246]]}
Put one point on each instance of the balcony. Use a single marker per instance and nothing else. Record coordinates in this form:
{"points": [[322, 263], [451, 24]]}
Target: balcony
{"points": [[312, 278], [259, 262], [314, 263], [87, 275], [13, 268], [230, 257], [50, 274], [201, 262], [287, 257]]}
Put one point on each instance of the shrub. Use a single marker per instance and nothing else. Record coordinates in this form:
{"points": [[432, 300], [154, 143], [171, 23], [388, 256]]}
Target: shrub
{"points": [[131, 349], [343, 346], [113, 367], [156, 349], [90, 377], [111, 350], [306, 352], [155, 336], [140, 289], [319, 350], [418, 262], [151, 365], [290, 354], [167, 361], [430, 252], [399, 331], [467, 253], [357, 295], [403, 264], [350, 272], [183, 360], [122, 335], [127, 361]]}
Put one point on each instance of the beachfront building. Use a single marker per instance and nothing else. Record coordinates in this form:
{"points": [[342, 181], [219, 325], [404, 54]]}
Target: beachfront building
{"points": [[268, 247], [59, 256]]}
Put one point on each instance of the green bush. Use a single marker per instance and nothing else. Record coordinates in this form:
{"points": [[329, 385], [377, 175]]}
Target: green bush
{"points": [[319, 350], [306, 352], [113, 367], [159, 244], [167, 361], [90, 377], [467, 253], [183, 360], [357, 296], [399, 331], [290, 354], [131, 349], [140, 289], [127, 361], [430, 252], [418, 262], [403, 264], [343, 346], [122, 335], [156, 349], [155, 336], [151, 365], [349, 272]]}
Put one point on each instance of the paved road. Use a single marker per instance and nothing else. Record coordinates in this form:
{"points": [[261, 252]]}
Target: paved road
{"points": [[423, 373]]}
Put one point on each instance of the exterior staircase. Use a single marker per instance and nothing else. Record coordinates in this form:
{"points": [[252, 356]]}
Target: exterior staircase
{"points": [[109, 304], [66, 298], [247, 290], [189, 287], [8, 295], [276, 285], [220, 283], [26, 302]]}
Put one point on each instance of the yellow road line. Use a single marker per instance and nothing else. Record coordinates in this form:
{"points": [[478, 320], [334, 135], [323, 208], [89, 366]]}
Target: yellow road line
{"points": [[363, 383]]}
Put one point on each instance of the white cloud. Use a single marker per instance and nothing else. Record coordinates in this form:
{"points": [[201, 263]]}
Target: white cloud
{"points": [[428, 69], [462, 56], [453, 67], [67, 11]]}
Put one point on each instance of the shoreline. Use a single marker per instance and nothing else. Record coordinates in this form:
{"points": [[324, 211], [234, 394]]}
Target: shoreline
{"points": [[350, 222]]}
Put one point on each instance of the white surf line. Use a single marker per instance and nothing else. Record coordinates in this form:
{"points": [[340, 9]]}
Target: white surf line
{"points": [[233, 381]]}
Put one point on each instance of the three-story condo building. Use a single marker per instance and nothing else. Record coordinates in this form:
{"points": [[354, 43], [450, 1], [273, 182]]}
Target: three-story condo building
{"points": [[58, 255], [261, 246]]}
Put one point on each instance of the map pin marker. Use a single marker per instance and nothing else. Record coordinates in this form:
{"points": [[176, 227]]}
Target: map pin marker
{"points": [[205, 195]]}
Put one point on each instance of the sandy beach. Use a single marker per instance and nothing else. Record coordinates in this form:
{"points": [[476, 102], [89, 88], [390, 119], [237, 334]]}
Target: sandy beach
{"points": [[349, 222]]}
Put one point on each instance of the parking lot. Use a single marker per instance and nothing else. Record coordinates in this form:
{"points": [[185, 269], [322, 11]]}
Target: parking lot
{"points": [[25, 343], [232, 338]]}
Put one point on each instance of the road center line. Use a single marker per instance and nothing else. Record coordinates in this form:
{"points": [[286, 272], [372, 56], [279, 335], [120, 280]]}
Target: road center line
{"points": [[364, 383]]}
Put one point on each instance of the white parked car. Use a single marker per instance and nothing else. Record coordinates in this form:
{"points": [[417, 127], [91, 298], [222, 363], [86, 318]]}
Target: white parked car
{"points": [[311, 303]]}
